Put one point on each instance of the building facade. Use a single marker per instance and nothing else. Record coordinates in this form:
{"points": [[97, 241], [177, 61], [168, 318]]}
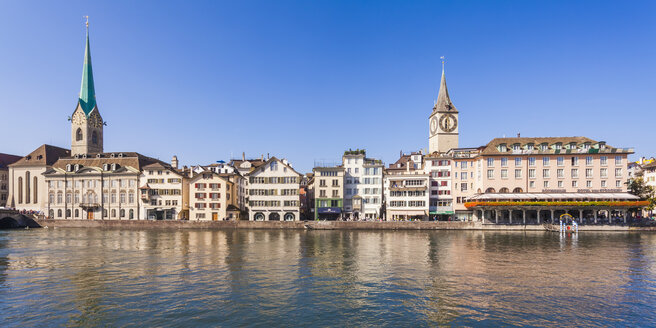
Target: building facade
{"points": [[161, 192], [273, 192], [363, 186], [407, 189], [329, 192], [210, 195], [438, 168], [5, 161]]}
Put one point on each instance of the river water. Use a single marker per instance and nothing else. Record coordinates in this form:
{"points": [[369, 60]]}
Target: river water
{"points": [[265, 278]]}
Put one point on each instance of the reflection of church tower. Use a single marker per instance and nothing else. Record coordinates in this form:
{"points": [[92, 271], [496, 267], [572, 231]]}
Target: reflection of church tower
{"points": [[86, 122], [443, 122]]}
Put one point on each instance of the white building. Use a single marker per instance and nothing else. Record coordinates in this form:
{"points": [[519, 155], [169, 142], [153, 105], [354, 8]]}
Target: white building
{"points": [[363, 186], [161, 193], [407, 189], [273, 192], [209, 195]]}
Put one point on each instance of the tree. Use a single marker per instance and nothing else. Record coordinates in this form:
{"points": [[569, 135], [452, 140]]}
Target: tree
{"points": [[646, 192]]}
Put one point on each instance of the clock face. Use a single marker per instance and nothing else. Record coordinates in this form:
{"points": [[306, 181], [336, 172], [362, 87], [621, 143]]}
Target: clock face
{"points": [[95, 120], [448, 123], [78, 118], [433, 125]]}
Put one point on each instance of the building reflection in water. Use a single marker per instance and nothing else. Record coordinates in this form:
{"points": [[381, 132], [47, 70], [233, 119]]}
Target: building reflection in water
{"points": [[229, 277]]}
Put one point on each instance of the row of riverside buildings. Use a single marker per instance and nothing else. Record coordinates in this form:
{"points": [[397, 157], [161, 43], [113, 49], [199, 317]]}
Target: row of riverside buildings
{"points": [[508, 180]]}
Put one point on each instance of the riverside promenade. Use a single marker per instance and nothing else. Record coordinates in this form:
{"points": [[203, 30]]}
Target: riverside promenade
{"points": [[317, 225]]}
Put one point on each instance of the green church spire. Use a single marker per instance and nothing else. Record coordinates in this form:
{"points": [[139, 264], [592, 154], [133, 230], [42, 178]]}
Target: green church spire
{"points": [[87, 91]]}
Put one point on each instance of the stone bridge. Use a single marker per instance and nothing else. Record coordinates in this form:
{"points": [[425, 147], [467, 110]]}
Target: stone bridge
{"points": [[10, 219]]}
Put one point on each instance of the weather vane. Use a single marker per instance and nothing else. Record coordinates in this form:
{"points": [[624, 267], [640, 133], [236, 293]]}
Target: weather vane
{"points": [[87, 17]]}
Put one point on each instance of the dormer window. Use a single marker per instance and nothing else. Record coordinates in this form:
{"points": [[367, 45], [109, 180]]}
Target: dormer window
{"points": [[98, 155], [77, 167], [68, 167], [544, 147], [120, 155], [105, 167], [586, 145], [273, 166], [530, 146], [558, 146], [517, 146], [112, 155], [572, 145], [38, 157], [503, 148]]}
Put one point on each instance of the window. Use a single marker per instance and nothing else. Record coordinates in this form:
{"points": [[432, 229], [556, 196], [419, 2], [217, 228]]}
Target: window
{"points": [[59, 197], [560, 161], [504, 174], [545, 173], [490, 174], [545, 161], [518, 161], [560, 173], [531, 161], [463, 176], [463, 187], [588, 160], [131, 198], [122, 197], [575, 161], [618, 184], [464, 165], [603, 172], [518, 173], [78, 135], [618, 160], [516, 146], [603, 183], [603, 160], [575, 184], [560, 184], [546, 184], [588, 184], [27, 187], [531, 184], [94, 138], [273, 166], [113, 198], [588, 173], [531, 173], [490, 162], [618, 172], [504, 162], [575, 173]]}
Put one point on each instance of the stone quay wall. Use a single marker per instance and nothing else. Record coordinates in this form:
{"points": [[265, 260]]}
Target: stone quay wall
{"points": [[316, 225]]}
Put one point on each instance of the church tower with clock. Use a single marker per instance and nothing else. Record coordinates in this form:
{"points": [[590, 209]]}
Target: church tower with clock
{"points": [[443, 122], [86, 122]]}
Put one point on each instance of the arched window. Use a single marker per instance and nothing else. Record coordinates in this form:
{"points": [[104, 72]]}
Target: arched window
{"points": [[489, 190], [77, 213], [20, 190], [51, 214], [94, 138], [504, 190], [518, 190], [122, 213], [113, 213], [289, 216], [104, 213], [35, 191], [274, 216], [131, 214], [68, 213], [78, 135], [27, 187], [59, 213]]}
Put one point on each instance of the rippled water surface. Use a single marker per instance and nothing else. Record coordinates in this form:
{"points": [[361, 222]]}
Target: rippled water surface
{"points": [[80, 277]]}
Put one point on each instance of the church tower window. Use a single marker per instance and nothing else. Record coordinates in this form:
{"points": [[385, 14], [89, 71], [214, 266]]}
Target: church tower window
{"points": [[78, 135]]}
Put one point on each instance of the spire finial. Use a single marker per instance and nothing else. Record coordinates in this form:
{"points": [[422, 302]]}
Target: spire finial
{"points": [[442, 58], [87, 22]]}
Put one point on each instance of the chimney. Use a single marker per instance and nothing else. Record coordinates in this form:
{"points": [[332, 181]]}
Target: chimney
{"points": [[243, 156], [262, 157], [268, 156], [174, 162], [518, 135]]}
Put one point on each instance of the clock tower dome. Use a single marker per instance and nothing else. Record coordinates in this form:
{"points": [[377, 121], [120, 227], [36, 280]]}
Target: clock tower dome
{"points": [[86, 122], [443, 121]]}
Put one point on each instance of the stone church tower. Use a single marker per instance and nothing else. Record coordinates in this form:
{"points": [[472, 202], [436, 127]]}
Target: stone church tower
{"points": [[443, 122], [86, 122]]}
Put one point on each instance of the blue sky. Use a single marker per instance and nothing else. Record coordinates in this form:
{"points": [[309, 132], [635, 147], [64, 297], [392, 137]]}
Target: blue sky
{"points": [[306, 80]]}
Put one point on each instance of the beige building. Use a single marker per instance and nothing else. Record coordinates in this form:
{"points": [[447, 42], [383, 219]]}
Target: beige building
{"points": [[27, 184], [407, 189], [273, 193], [543, 168], [5, 161], [96, 186], [328, 192], [210, 195], [438, 168]]}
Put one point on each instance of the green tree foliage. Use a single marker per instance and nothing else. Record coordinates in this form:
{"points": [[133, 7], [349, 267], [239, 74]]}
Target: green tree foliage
{"points": [[639, 188]]}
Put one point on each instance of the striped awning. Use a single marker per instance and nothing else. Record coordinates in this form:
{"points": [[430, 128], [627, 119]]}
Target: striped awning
{"points": [[553, 196]]}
